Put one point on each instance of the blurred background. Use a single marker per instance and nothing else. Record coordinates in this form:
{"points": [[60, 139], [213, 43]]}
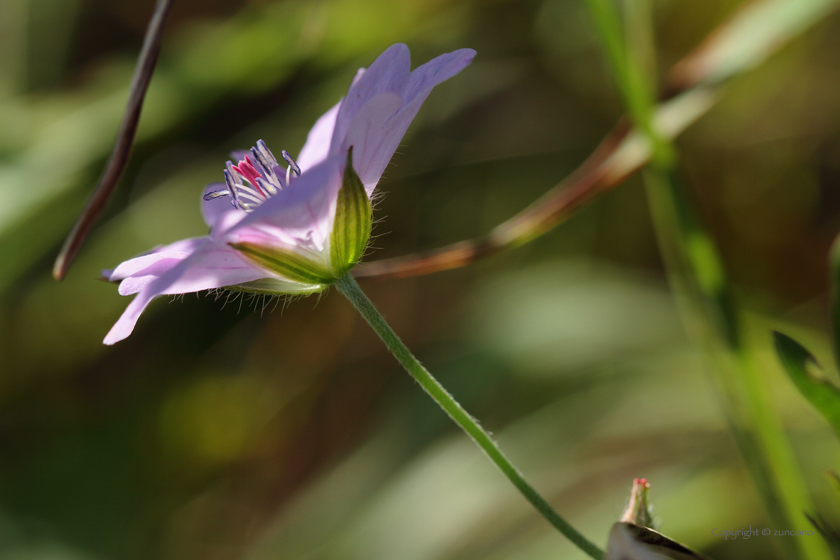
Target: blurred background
{"points": [[249, 430]]}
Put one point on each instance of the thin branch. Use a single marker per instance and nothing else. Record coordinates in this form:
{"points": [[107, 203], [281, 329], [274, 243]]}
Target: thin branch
{"points": [[541, 216], [719, 57], [691, 89], [122, 148], [616, 158], [620, 154]]}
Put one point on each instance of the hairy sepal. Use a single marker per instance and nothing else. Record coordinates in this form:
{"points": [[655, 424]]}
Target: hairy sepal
{"points": [[274, 287], [289, 265], [351, 227]]}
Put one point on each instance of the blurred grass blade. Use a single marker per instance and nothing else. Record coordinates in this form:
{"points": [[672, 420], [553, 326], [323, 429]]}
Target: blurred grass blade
{"points": [[828, 533], [747, 39], [620, 154], [820, 392], [122, 148], [637, 93], [834, 482], [598, 173], [741, 43], [695, 269]]}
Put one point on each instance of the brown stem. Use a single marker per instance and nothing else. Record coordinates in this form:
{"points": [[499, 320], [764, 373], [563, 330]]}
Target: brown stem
{"points": [[552, 208], [618, 156], [122, 148], [691, 85]]}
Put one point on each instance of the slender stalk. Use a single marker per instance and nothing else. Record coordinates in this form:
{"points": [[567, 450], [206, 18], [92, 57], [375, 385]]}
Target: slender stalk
{"points": [[696, 270], [743, 41], [693, 87], [350, 289], [118, 160]]}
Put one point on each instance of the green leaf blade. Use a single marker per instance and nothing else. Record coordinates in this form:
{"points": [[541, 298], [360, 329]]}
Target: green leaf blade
{"points": [[820, 392]]}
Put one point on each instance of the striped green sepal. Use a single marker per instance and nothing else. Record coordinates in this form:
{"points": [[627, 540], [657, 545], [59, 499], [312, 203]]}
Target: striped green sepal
{"points": [[287, 264], [351, 228]]}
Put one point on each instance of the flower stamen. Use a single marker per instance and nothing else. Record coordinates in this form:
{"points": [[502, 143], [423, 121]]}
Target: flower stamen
{"points": [[255, 178], [292, 165]]}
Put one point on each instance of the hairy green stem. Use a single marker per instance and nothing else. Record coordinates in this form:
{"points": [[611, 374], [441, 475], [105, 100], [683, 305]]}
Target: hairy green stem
{"points": [[350, 289]]}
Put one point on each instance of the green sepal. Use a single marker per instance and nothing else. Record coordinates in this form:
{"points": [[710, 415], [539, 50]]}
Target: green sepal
{"points": [[351, 228], [287, 264], [820, 392], [274, 286]]}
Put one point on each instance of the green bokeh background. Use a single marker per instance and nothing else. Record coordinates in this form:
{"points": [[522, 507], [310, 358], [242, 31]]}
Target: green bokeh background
{"points": [[224, 430]]}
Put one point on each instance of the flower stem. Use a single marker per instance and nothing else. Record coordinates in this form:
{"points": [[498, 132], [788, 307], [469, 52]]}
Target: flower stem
{"points": [[350, 289]]}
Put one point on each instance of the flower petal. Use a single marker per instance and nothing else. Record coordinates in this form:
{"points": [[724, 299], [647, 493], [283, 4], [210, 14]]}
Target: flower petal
{"points": [[134, 274], [141, 262], [212, 265], [317, 146], [374, 135], [125, 324], [149, 268], [300, 216], [373, 117], [436, 71], [368, 119], [389, 73]]}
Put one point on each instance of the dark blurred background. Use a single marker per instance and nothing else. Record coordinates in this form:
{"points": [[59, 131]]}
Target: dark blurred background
{"points": [[256, 431]]}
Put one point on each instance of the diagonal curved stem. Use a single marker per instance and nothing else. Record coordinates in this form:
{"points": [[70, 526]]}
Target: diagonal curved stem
{"points": [[620, 154], [695, 269], [351, 290], [720, 56], [744, 41], [589, 180], [122, 148]]}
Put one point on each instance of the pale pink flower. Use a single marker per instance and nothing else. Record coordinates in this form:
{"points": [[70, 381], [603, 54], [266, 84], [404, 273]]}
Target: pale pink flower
{"points": [[278, 231]]}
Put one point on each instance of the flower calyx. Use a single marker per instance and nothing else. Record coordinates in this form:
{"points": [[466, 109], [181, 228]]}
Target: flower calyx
{"points": [[349, 235], [352, 223]]}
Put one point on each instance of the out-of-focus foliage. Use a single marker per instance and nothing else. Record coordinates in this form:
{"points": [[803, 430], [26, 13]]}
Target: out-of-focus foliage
{"points": [[223, 429], [800, 366]]}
